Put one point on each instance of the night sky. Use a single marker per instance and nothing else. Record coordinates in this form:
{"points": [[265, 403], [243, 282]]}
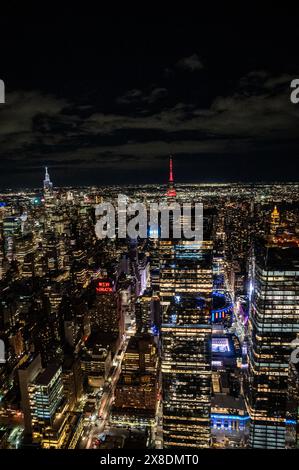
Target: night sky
{"points": [[105, 100]]}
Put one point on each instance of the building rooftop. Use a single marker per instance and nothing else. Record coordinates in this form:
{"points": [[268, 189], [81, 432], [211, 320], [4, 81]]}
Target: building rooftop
{"points": [[221, 400], [278, 257], [45, 377]]}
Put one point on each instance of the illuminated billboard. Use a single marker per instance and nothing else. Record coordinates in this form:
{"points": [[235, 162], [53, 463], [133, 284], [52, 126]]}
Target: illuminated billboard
{"points": [[104, 287]]}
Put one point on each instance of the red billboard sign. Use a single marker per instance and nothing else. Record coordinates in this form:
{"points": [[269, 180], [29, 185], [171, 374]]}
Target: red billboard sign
{"points": [[104, 287]]}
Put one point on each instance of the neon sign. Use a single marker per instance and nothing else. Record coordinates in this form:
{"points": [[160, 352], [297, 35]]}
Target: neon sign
{"points": [[103, 287]]}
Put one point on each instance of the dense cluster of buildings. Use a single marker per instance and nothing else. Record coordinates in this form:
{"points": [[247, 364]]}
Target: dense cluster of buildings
{"points": [[164, 343]]}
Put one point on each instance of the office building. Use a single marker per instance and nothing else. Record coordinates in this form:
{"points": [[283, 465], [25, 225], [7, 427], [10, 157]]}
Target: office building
{"points": [[273, 325]]}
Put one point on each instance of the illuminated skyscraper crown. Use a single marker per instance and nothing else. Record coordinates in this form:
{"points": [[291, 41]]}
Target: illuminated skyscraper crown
{"points": [[171, 192], [48, 185]]}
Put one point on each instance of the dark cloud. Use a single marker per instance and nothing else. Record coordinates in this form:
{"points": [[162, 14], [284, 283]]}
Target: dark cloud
{"points": [[107, 102], [130, 96], [37, 128], [136, 96], [191, 63]]}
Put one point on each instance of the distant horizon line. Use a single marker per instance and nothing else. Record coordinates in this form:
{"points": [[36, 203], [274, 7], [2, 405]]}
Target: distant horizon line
{"points": [[207, 183]]}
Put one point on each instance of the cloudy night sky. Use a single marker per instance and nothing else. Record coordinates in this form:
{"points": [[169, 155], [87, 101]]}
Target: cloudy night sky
{"points": [[102, 100]]}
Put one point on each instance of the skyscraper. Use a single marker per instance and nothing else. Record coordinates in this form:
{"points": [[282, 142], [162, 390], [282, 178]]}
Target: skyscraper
{"points": [[50, 202], [136, 391], [171, 192], [186, 292], [186, 372], [275, 220], [27, 373], [48, 185], [48, 407], [273, 324], [108, 316]]}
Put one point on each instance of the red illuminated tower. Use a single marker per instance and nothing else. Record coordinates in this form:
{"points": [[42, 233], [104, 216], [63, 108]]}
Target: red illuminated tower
{"points": [[171, 192]]}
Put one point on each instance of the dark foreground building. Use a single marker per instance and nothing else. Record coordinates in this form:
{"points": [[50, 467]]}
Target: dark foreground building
{"points": [[186, 371]]}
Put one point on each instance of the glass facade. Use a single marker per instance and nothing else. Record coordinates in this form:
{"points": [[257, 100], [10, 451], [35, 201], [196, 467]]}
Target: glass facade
{"points": [[186, 346], [273, 324]]}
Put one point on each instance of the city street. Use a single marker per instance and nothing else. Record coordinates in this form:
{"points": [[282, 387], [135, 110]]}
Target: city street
{"points": [[98, 426]]}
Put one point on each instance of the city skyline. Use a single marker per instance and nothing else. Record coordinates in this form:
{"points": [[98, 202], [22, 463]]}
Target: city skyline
{"points": [[162, 184], [149, 237], [149, 342]]}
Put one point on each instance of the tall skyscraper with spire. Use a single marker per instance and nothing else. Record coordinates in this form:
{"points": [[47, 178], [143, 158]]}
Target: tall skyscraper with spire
{"points": [[275, 220], [48, 185], [171, 192]]}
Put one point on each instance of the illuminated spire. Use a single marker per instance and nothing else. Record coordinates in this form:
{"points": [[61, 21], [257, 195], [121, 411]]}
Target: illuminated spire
{"points": [[47, 182], [171, 192], [47, 177], [275, 212], [170, 170], [275, 220]]}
